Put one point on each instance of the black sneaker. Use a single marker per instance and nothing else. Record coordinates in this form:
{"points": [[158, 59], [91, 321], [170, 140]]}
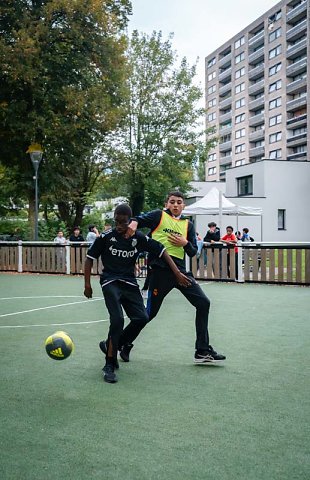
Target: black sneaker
{"points": [[103, 348], [108, 373], [125, 351], [208, 356]]}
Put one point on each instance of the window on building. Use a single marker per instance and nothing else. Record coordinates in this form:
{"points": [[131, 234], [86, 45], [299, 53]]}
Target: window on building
{"points": [[239, 73], [274, 154], [238, 163], [245, 185], [300, 149], [211, 76], [276, 16], [275, 120], [240, 103], [212, 157], [275, 52], [275, 137], [275, 34], [212, 171], [211, 117], [240, 148], [275, 69], [259, 143], [275, 86], [239, 42], [275, 103], [281, 219], [212, 103], [240, 133], [211, 62], [239, 58], [240, 118], [239, 88], [211, 89]]}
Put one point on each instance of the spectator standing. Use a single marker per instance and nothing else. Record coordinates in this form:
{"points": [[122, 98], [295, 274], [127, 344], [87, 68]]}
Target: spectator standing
{"points": [[213, 235], [60, 239], [246, 236], [92, 234], [76, 236], [230, 239]]}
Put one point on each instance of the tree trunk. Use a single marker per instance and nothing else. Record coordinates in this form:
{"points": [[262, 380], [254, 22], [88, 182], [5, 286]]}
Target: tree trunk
{"points": [[79, 208], [65, 213], [137, 200]]}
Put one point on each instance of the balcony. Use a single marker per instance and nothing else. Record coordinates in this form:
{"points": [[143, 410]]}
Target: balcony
{"points": [[225, 75], [297, 67], [258, 102], [225, 103], [225, 61], [256, 39], [224, 89], [297, 50], [299, 121], [302, 156], [296, 104], [257, 88], [256, 72], [297, 86], [257, 151], [257, 135], [257, 56], [257, 119], [296, 13], [225, 146], [225, 130], [225, 116], [297, 140], [226, 160], [297, 31]]}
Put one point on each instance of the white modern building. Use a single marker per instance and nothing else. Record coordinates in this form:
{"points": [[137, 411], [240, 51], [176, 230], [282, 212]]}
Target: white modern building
{"points": [[279, 188]]}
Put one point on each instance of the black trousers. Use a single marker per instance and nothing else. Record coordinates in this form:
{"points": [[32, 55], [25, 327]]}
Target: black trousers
{"points": [[118, 296], [162, 281]]}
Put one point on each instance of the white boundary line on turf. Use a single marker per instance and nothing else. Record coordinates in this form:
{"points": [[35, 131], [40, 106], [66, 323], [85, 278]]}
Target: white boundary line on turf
{"points": [[46, 308], [46, 296], [53, 324]]}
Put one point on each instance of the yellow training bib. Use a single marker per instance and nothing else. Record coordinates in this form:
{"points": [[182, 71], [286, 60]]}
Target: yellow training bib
{"points": [[168, 225]]}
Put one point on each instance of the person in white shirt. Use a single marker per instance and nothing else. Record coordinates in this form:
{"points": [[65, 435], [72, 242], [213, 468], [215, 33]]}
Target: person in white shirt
{"points": [[92, 234]]}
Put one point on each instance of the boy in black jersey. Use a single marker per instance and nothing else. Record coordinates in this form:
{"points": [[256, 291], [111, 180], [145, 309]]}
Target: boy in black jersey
{"points": [[118, 282]]}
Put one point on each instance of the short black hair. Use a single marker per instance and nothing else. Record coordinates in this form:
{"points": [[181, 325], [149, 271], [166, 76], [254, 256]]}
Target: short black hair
{"points": [[123, 209], [245, 230], [90, 227], [231, 228], [211, 224], [175, 193]]}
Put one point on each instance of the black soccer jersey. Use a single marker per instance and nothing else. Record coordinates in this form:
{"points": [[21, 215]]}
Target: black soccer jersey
{"points": [[119, 254]]}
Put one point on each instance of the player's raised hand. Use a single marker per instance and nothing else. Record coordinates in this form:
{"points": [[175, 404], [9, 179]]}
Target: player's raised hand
{"points": [[131, 230]]}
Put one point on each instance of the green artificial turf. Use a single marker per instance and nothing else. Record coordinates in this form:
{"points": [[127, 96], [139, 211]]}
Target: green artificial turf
{"points": [[166, 418]]}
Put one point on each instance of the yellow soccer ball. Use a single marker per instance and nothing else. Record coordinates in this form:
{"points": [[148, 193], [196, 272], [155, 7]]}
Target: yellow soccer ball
{"points": [[59, 346]]}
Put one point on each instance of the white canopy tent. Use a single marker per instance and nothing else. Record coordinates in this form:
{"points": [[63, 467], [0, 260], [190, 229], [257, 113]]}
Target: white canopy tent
{"points": [[215, 203]]}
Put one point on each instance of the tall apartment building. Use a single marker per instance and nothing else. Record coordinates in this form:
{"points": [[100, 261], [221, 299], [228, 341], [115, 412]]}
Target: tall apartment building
{"points": [[256, 91]]}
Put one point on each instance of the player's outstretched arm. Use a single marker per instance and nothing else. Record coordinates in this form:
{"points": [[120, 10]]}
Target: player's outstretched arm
{"points": [[88, 292], [182, 279]]}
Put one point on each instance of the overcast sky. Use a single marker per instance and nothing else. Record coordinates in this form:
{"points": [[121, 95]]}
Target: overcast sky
{"points": [[199, 26]]}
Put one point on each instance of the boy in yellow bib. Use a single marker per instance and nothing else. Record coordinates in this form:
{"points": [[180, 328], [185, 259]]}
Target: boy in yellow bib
{"points": [[178, 235]]}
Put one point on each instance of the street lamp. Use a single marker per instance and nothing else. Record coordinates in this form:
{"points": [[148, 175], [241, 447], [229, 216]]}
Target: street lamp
{"points": [[36, 153]]}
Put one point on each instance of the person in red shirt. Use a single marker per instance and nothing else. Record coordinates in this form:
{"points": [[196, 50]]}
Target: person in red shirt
{"points": [[230, 239]]}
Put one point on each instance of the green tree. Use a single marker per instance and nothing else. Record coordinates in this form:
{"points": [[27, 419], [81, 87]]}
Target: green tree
{"points": [[61, 85], [159, 143]]}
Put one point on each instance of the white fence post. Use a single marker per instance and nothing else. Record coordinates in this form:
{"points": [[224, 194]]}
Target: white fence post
{"points": [[20, 257], [68, 259], [240, 277]]}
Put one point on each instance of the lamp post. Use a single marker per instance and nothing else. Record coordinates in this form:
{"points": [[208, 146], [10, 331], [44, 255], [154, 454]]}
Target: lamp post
{"points": [[36, 153]]}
